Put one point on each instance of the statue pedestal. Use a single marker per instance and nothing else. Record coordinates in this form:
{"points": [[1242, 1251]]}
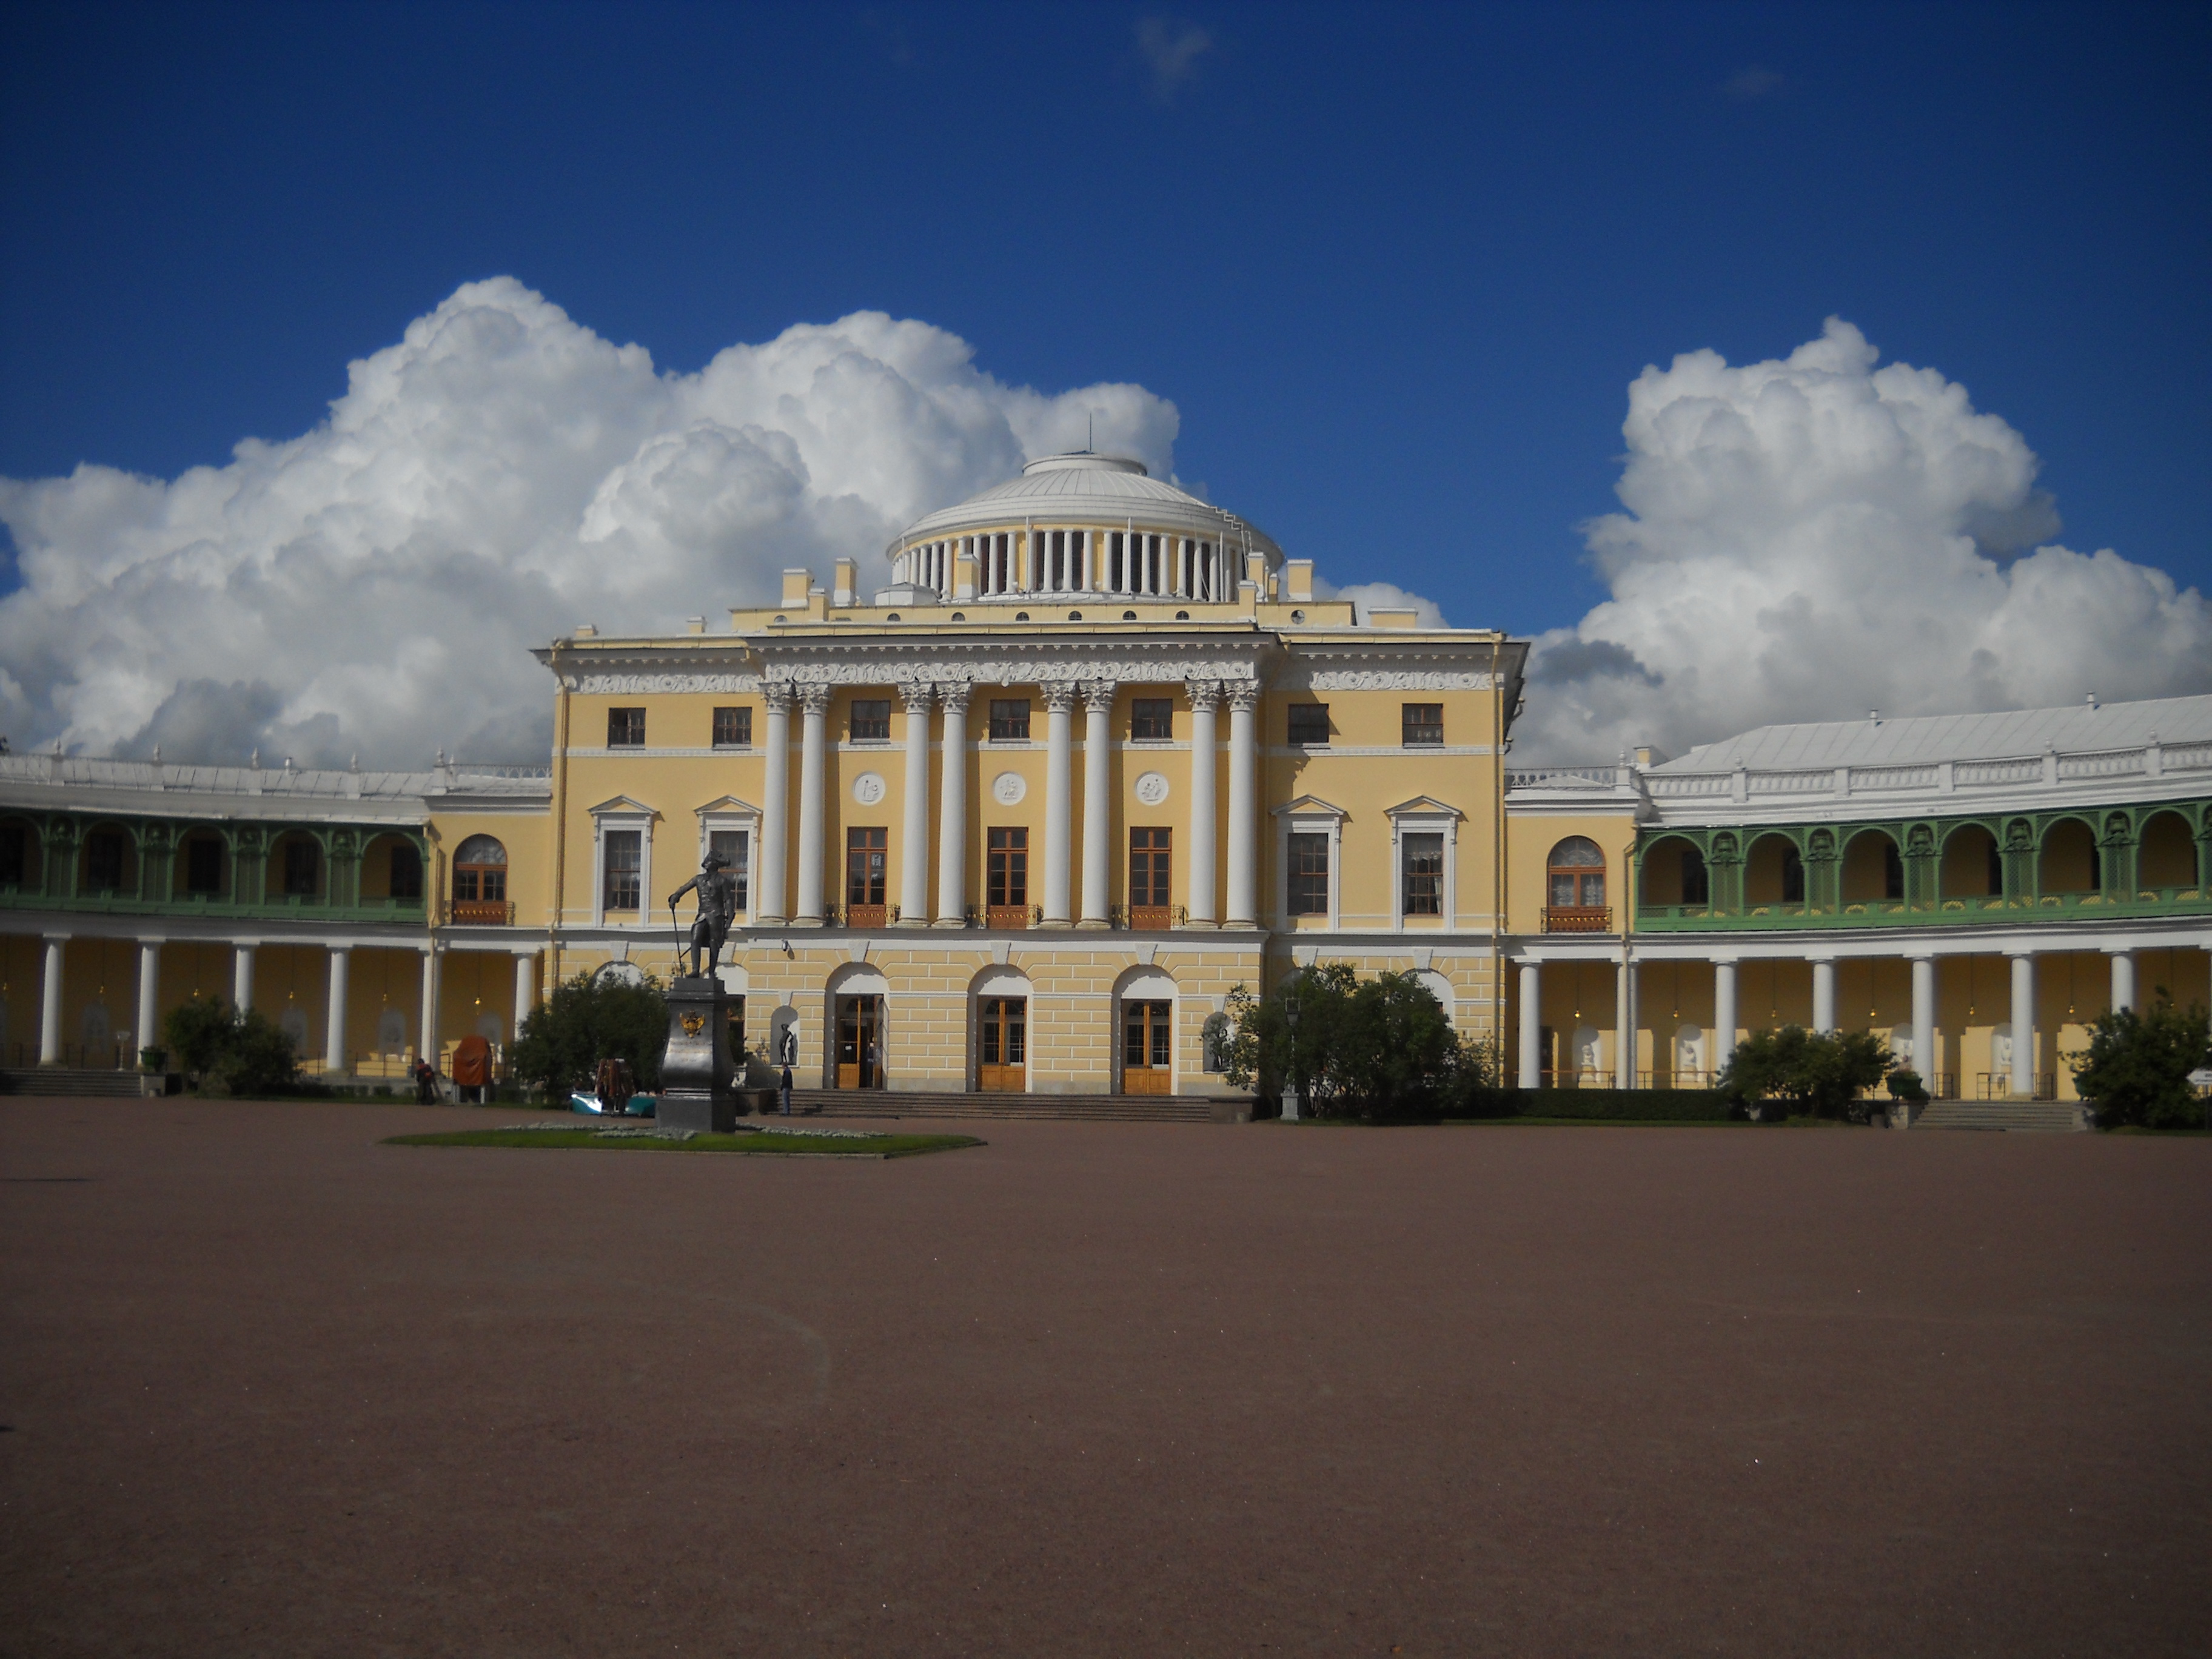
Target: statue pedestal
{"points": [[695, 1090]]}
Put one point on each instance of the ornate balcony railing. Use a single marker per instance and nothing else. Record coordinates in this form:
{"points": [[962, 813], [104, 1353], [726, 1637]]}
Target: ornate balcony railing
{"points": [[480, 912], [1577, 919], [1896, 913]]}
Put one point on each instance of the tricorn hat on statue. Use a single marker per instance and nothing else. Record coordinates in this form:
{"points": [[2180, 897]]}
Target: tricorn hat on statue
{"points": [[713, 861]]}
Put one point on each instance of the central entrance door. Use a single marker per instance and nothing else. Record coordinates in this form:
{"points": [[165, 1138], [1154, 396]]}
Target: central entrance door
{"points": [[1002, 1045], [1147, 1050], [859, 1042]]}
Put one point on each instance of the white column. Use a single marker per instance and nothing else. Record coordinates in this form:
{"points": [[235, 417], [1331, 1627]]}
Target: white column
{"points": [[526, 988], [770, 897], [1098, 797], [1532, 1026], [2124, 979], [952, 810], [1245, 804], [1059, 796], [1724, 1014], [50, 1001], [913, 855], [426, 1028], [2023, 1023], [149, 993], [815, 700], [334, 1017], [241, 977], [1624, 1039], [1823, 993], [1205, 695], [1923, 1020]]}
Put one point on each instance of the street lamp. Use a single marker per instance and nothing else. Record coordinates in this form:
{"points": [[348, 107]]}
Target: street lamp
{"points": [[1290, 1069]]}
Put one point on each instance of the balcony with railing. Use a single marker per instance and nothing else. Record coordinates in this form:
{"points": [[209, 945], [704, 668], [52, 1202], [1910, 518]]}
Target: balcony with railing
{"points": [[1897, 913], [1577, 919]]}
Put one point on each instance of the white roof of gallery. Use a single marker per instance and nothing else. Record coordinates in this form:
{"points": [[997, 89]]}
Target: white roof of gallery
{"points": [[1087, 488], [1886, 741]]}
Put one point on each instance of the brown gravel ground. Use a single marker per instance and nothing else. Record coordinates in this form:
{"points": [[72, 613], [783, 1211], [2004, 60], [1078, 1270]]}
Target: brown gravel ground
{"points": [[272, 1389]]}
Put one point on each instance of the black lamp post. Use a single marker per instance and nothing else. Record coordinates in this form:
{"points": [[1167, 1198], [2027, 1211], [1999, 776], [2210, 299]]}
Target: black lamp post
{"points": [[1291, 1066]]}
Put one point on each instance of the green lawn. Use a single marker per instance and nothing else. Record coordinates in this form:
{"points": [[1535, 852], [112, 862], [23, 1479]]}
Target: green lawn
{"points": [[761, 1143]]}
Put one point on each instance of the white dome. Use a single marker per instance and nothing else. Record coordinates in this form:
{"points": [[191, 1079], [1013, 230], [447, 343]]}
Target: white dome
{"points": [[1103, 492]]}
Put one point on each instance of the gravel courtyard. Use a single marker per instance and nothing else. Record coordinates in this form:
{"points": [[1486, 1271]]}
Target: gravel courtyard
{"points": [[270, 1387]]}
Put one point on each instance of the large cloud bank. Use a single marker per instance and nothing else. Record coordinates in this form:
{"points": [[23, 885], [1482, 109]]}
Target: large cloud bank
{"points": [[1811, 538], [496, 477]]}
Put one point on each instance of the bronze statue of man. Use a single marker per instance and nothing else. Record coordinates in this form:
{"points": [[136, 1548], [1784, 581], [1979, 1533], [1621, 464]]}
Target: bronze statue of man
{"points": [[718, 908]]}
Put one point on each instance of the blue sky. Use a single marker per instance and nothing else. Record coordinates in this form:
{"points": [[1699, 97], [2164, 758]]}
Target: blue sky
{"points": [[1395, 266]]}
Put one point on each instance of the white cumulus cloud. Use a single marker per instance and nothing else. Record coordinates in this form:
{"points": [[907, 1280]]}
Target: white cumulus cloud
{"points": [[499, 474], [1809, 538]]}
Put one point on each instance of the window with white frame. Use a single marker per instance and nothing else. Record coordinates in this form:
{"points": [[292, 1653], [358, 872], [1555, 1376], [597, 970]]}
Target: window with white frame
{"points": [[622, 859], [1426, 834]]}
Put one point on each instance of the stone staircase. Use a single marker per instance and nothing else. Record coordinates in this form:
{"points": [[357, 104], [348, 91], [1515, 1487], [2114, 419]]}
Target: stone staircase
{"points": [[2036, 1117], [1095, 1108], [57, 1081]]}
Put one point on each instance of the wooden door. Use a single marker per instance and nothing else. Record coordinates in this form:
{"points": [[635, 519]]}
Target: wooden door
{"points": [[1147, 1048], [1002, 1045], [859, 1033]]}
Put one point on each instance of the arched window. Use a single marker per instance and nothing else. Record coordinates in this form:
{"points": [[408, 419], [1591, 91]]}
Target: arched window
{"points": [[1576, 868], [480, 880]]}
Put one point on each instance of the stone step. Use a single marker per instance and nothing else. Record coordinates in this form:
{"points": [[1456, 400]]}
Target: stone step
{"points": [[1118, 1109], [2037, 1117], [61, 1080]]}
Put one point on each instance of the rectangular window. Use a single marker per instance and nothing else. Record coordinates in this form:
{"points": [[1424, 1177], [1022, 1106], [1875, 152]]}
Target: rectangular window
{"points": [[736, 848], [871, 720], [625, 852], [733, 728], [865, 866], [103, 861], [1010, 719], [302, 863], [625, 728], [1309, 723], [1151, 719], [1424, 725], [464, 886], [1007, 869], [1425, 875], [14, 855], [406, 869], [1309, 875], [203, 868], [1148, 868]]}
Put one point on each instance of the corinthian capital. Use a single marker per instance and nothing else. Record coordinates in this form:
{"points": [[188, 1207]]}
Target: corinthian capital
{"points": [[1243, 696], [816, 697], [776, 694], [1205, 695], [1099, 694], [1059, 696], [916, 694], [954, 695]]}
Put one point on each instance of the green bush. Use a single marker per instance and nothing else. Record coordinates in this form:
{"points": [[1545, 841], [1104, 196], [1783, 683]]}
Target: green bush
{"points": [[585, 1021], [228, 1052], [1818, 1073], [2136, 1067], [1380, 1047]]}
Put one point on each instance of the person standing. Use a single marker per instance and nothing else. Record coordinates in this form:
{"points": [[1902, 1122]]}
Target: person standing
{"points": [[787, 1088]]}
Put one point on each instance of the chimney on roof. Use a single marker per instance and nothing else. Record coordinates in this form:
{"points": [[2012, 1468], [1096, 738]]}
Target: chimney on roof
{"points": [[2092, 702]]}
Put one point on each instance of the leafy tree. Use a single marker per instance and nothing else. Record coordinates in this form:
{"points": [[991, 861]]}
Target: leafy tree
{"points": [[231, 1053], [1372, 1048], [2136, 1067], [1820, 1073], [586, 1020]]}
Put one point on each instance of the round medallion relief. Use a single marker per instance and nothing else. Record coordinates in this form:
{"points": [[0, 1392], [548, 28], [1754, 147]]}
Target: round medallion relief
{"points": [[1151, 789], [1007, 788], [868, 788]]}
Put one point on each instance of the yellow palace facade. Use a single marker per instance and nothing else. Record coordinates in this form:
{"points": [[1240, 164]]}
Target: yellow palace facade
{"points": [[1017, 814]]}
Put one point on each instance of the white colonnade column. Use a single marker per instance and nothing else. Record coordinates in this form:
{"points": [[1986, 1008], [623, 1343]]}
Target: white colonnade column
{"points": [[149, 993], [952, 810], [334, 1016], [2124, 979], [1923, 1020], [913, 855], [1724, 1014], [2023, 1023], [1624, 1036], [1098, 797], [1058, 796], [526, 988], [814, 701], [1823, 993], [771, 896], [49, 1000], [1205, 695], [241, 977], [1244, 804], [426, 1045], [1532, 1026]]}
